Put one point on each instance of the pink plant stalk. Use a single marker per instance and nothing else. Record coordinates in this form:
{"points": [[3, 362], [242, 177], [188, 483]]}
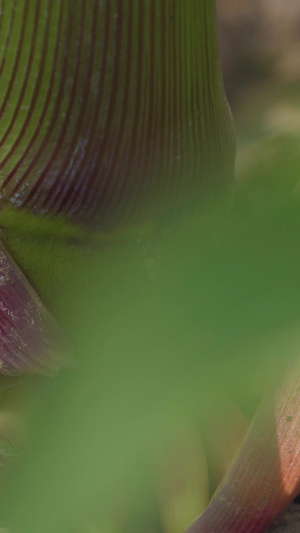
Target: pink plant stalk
{"points": [[265, 474]]}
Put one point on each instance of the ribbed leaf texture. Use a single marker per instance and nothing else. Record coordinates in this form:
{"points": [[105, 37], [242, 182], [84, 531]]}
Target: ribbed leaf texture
{"points": [[109, 109]]}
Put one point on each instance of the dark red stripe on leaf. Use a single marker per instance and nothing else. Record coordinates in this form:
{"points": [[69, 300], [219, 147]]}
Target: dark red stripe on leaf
{"points": [[40, 190], [46, 142], [87, 168], [9, 33], [33, 101], [64, 187], [105, 147], [46, 200], [17, 58], [26, 76], [22, 180]]}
